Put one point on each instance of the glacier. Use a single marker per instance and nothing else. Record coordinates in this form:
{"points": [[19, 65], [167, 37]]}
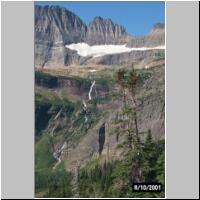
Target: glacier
{"points": [[84, 50]]}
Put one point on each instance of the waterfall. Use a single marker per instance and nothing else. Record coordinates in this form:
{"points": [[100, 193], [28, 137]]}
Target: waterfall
{"points": [[57, 154], [85, 110], [90, 98], [85, 105], [58, 114], [90, 91], [86, 119], [52, 131]]}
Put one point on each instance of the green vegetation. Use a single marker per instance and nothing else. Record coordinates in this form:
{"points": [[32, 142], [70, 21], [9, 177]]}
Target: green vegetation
{"points": [[142, 158], [79, 82], [104, 83], [79, 128], [43, 153], [160, 55], [52, 81], [144, 161], [45, 106], [143, 77], [41, 115], [114, 179], [45, 79], [53, 183]]}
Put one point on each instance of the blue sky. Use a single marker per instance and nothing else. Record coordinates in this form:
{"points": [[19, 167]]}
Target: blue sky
{"points": [[137, 17]]}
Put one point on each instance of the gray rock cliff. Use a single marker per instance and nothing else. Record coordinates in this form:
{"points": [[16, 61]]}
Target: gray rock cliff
{"points": [[104, 31], [56, 27]]}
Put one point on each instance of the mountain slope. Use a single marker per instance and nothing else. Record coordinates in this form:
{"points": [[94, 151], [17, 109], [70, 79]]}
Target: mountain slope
{"points": [[56, 27], [104, 31], [87, 130], [99, 107]]}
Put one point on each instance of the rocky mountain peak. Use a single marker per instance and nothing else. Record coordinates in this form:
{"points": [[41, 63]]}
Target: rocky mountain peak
{"points": [[158, 28], [104, 31], [100, 20], [57, 25]]}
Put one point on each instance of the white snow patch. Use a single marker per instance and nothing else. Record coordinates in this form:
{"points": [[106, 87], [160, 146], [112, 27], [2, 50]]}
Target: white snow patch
{"points": [[92, 70], [84, 49]]}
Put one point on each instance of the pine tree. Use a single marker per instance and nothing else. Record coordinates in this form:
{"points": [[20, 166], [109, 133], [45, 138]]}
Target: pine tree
{"points": [[132, 83]]}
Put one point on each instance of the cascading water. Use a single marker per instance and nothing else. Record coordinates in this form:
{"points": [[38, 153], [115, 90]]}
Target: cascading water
{"points": [[84, 104], [57, 154], [90, 98], [85, 111], [90, 91], [58, 114]]}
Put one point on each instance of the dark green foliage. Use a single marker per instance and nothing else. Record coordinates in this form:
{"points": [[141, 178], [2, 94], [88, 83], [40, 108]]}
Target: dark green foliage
{"points": [[80, 128], [45, 107], [55, 102], [44, 153], [55, 183], [120, 77], [114, 179], [143, 77], [104, 84], [160, 170], [80, 83], [141, 163], [149, 160], [101, 99], [42, 178], [45, 79], [41, 114], [160, 55], [52, 81], [96, 180], [132, 80]]}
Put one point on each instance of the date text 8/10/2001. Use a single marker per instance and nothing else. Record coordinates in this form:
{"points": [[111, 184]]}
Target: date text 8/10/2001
{"points": [[147, 187]]}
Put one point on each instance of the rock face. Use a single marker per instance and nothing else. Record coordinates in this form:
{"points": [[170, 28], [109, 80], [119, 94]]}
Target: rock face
{"points": [[104, 31], [56, 27], [158, 28], [101, 137], [155, 38], [122, 58]]}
